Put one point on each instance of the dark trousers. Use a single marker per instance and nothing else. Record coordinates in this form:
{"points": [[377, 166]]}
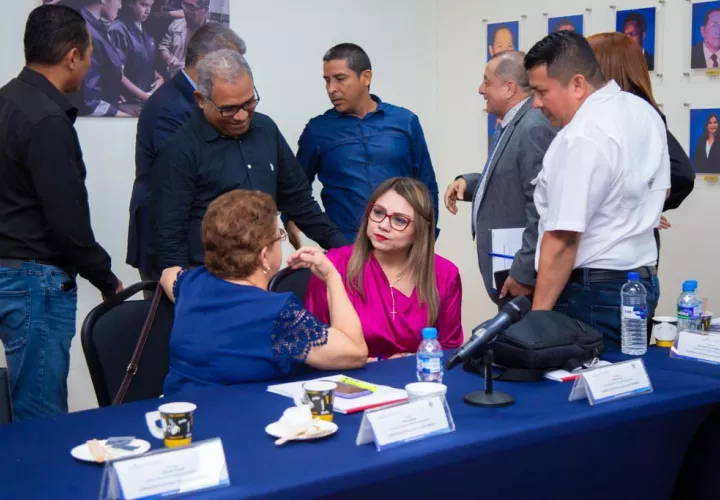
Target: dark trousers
{"points": [[597, 303]]}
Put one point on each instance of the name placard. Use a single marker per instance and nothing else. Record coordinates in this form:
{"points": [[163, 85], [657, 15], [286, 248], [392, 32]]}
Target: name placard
{"points": [[167, 472], [697, 347], [404, 423], [608, 383]]}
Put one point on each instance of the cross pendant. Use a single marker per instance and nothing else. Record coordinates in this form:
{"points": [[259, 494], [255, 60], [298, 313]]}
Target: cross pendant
{"points": [[393, 312]]}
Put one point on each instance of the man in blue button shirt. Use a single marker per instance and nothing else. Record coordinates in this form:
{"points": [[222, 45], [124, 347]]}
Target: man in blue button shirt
{"points": [[224, 146], [361, 142]]}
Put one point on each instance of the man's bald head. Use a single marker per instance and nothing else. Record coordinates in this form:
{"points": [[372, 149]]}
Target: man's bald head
{"points": [[505, 82], [509, 67]]}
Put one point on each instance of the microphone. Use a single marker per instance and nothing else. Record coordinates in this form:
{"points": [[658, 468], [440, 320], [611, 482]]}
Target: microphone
{"points": [[486, 333]]}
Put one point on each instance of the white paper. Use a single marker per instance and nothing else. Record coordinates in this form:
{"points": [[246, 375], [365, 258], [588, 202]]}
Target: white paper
{"points": [[408, 422], [566, 376], [617, 380], [505, 242], [698, 346], [382, 396], [176, 471]]}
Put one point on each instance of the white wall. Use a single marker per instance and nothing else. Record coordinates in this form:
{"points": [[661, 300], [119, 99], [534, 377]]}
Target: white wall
{"points": [[429, 56]]}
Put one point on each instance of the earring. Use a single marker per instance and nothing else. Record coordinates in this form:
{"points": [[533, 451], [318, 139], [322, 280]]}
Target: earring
{"points": [[266, 269]]}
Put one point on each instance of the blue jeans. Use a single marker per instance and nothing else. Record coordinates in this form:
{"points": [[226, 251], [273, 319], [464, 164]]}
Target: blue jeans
{"points": [[597, 303], [37, 324]]}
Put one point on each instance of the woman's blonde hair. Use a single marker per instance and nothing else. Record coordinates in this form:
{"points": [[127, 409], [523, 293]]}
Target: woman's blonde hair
{"points": [[421, 267]]}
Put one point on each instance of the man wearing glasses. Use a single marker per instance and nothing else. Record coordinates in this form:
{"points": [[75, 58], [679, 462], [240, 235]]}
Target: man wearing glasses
{"points": [[226, 145]]}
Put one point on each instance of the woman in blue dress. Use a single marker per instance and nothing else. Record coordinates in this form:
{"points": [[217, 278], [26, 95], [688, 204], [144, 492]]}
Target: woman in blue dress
{"points": [[137, 50], [229, 329]]}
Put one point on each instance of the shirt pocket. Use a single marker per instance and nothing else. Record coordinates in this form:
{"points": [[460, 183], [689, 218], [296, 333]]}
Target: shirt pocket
{"points": [[262, 171]]}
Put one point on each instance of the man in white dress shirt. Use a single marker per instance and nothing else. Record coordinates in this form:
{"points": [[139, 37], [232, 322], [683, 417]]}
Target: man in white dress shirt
{"points": [[601, 189]]}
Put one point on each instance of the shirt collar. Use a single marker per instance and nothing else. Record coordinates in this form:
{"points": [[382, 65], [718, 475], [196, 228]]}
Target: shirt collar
{"points": [[210, 133], [381, 107], [510, 115], [190, 80], [39, 81], [708, 53]]}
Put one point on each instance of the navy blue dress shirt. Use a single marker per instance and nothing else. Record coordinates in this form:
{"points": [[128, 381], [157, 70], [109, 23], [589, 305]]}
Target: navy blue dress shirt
{"points": [[198, 164], [352, 156], [165, 112]]}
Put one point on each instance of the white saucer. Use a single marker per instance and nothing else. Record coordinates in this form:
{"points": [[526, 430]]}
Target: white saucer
{"points": [[278, 430], [82, 452]]}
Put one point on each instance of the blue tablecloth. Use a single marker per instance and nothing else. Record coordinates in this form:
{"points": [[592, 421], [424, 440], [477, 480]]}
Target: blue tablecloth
{"points": [[541, 447]]}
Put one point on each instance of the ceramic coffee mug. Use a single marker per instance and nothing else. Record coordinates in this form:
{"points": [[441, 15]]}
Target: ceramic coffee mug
{"points": [[172, 422]]}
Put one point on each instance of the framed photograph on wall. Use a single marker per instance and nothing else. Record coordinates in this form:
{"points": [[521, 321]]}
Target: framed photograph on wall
{"points": [[639, 24], [704, 144], [502, 37], [138, 45], [566, 23], [705, 50]]}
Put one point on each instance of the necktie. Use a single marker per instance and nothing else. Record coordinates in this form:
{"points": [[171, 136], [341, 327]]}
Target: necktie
{"points": [[714, 59], [480, 185]]}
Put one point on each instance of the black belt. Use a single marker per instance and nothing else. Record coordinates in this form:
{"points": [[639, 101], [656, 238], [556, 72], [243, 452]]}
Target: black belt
{"points": [[19, 263], [578, 275]]}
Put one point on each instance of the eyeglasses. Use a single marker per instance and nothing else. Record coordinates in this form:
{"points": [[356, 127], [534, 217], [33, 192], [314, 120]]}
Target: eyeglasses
{"points": [[190, 7], [248, 107], [282, 236], [398, 221]]}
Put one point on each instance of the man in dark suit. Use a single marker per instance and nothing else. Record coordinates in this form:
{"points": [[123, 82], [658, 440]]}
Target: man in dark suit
{"points": [[502, 195], [706, 54], [165, 112], [636, 28]]}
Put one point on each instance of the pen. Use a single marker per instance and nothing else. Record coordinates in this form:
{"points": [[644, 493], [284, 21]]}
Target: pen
{"points": [[501, 256]]}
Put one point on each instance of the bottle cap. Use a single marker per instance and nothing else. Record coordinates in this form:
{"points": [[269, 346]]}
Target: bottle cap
{"points": [[690, 286], [429, 333], [633, 276]]}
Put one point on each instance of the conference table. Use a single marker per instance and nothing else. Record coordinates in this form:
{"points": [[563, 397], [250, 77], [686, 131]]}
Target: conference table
{"points": [[542, 447]]}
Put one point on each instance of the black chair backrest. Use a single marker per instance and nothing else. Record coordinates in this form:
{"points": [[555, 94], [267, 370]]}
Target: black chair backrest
{"points": [[5, 402], [109, 335], [289, 280]]}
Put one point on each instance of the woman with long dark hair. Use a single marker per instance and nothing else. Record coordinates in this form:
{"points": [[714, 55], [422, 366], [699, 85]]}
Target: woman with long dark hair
{"points": [[137, 50], [706, 158]]}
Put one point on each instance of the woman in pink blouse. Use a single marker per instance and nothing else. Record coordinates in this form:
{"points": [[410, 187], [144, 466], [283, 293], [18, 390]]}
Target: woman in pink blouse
{"points": [[393, 277]]}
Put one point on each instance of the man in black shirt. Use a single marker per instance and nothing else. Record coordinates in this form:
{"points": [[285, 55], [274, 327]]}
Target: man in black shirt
{"points": [[226, 145], [45, 233]]}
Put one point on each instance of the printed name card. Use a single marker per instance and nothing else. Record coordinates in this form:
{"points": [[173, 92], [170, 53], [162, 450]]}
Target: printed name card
{"points": [[396, 425], [608, 383], [167, 472], [697, 347]]}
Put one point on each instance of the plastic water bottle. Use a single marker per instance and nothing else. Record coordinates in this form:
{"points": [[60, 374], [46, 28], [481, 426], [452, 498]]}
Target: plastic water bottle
{"points": [[429, 357], [634, 316], [689, 307]]}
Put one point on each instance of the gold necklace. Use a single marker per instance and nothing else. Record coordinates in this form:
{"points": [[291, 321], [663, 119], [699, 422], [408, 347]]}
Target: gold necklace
{"points": [[392, 287]]}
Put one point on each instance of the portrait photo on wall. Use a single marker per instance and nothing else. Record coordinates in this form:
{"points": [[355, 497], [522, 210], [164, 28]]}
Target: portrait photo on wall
{"points": [[639, 24], [502, 37], [137, 46], [704, 140], [705, 51], [566, 23], [493, 124]]}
